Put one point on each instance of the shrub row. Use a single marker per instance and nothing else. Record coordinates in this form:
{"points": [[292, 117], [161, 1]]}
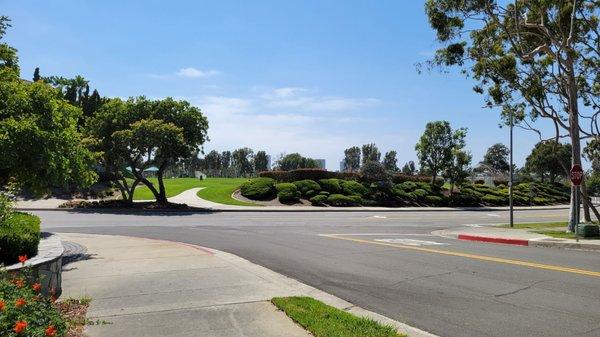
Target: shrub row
{"points": [[307, 174], [259, 189], [19, 235]]}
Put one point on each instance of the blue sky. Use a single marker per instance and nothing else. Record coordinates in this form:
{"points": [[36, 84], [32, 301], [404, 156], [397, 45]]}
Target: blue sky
{"points": [[313, 77]]}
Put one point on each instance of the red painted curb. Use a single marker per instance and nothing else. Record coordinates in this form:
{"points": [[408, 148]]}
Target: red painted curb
{"points": [[517, 242]]}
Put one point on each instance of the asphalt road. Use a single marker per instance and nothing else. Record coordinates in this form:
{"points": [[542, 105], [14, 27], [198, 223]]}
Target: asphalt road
{"points": [[391, 264]]}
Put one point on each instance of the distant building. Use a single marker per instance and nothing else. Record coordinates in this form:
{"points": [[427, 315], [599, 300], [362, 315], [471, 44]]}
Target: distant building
{"points": [[321, 163]]}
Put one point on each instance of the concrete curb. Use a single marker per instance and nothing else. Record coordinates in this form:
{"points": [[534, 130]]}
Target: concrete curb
{"points": [[543, 242]]}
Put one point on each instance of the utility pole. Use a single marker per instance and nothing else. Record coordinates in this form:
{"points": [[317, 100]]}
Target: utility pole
{"points": [[510, 182]]}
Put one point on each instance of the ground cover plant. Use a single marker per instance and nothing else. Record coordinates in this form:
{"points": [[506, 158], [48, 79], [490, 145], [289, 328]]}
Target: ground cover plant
{"points": [[326, 321], [19, 233]]}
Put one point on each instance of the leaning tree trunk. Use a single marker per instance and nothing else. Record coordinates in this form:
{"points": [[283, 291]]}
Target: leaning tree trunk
{"points": [[161, 198]]}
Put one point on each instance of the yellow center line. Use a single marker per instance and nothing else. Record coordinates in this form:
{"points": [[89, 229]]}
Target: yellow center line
{"points": [[473, 256]]}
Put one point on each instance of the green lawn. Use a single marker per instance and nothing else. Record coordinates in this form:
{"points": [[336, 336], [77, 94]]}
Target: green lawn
{"points": [[562, 235], [173, 186], [217, 190], [325, 321], [537, 225]]}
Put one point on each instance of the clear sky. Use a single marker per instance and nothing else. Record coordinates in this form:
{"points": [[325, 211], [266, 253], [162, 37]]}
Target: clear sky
{"points": [[313, 77]]}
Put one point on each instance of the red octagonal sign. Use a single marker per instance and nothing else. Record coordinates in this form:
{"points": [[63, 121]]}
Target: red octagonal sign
{"points": [[576, 175]]}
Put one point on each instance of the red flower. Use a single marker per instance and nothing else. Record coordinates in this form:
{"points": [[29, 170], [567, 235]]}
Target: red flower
{"points": [[50, 331], [36, 287], [22, 259], [20, 302], [19, 282], [20, 326], [2, 304]]}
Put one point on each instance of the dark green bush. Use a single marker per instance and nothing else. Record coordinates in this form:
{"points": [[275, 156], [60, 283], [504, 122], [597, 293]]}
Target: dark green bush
{"points": [[419, 193], [427, 187], [259, 189], [464, 200], [407, 186], [287, 192], [350, 187], [400, 193], [318, 200], [593, 184], [19, 235], [373, 171], [331, 185], [307, 174], [310, 194], [343, 200], [494, 200], [399, 178], [306, 185], [435, 200], [325, 193]]}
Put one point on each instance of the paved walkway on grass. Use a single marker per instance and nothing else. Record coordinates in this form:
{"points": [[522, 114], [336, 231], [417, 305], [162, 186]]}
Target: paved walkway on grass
{"points": [[151, 288], [523, 237]]}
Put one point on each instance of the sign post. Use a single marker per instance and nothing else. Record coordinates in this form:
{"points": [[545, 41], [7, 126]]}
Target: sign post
{"points": [[576, 179]]}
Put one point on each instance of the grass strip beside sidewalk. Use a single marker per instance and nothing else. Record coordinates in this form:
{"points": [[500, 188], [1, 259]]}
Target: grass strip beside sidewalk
{"points": [[326, 321]]}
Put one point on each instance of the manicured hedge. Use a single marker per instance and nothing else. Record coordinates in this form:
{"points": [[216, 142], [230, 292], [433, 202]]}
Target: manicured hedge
{"points": [[287, 193], [331, 185], [310, 174], [308, 188], [351, 187], [259, 189], [319, 200], [19, 235], [399, 178], [344, 200]]}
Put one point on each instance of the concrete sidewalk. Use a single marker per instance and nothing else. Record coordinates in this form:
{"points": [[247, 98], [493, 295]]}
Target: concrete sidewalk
{"points": [[521, 237], [147, 287]]}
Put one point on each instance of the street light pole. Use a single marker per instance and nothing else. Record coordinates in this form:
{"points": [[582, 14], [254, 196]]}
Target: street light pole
{"points": [[510, 183]]}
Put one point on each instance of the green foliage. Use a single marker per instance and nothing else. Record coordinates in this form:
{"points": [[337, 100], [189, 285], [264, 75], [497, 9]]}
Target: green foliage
{"points": [[407, 186], [496, 157], [464, 200], [331, 185], [352, 159], [373, 171], [370, 153], [308, 188], [419, 193], [310, 174], [435, 200], [261, 162], [325, 193], [322, 320], [593, 184], [318, 200], [549, 159], [6, 207], [343, 200], [38, 312], [390, 162], [494, 199], [351, 187], [294, 161], [259, 189], [19, 235], [436, 146], [287, 192]]}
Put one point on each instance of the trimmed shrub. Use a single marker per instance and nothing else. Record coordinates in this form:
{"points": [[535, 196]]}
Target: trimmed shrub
{"points": [[343, 200], [318, 200], [426, 186], [373, 171], [310, 194], [351, 187], [407, 186], [306, 185], [19, 235], [325, 193], [400, 193], [435, 200], [259, 189], [493, 199], [464, 200], [420, 193], [287, 192], [331, 185], [307, 174]]}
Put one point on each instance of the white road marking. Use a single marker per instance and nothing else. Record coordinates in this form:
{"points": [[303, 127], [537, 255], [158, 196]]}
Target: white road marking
{"points": [[474, 225], [380, 217], [411, 242], [376, 234], [493, 215]]}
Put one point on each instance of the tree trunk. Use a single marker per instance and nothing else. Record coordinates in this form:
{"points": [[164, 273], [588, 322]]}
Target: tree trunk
{"points": [[162, 194], [574, 133]]}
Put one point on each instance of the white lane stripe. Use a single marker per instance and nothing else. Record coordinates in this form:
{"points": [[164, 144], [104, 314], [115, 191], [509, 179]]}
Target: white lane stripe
{"points": [[376, 234], [411, 242]]}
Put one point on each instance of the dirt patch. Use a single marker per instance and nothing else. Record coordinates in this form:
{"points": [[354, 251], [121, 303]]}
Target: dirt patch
{"points": [[74, 311], [275, 202]]}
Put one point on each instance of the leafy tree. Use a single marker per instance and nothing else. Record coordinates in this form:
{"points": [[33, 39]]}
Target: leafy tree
{"points": [[496, 157], [36, 75], [226, 159], [212, 161], [242, 161], [140, 133], [536, 58], [549, 158], [390, 162], [370, 152], [592, 152], [458, 171], [352, 159], [436, 145], [294, 161], [40, 146], [409, 168], [261, 161]]}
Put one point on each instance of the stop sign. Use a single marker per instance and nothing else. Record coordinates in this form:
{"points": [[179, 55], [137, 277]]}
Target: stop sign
{"points": [[576, 175]]}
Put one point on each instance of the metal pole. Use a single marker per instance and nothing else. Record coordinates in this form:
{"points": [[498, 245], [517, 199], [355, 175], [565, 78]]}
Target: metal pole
{"points": [[577, 213], [510, 183]]}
